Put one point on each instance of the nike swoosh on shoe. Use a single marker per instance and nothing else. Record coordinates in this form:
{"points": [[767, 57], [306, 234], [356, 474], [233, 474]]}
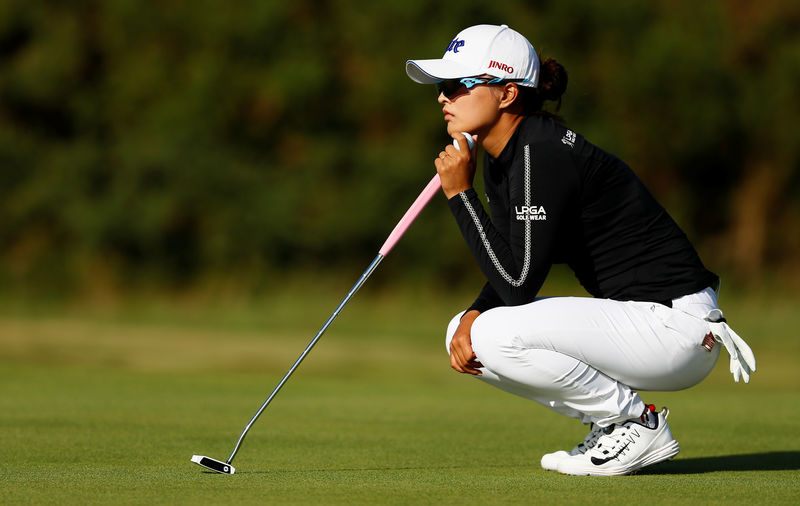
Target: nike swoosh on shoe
{"points": [[600, 462]]}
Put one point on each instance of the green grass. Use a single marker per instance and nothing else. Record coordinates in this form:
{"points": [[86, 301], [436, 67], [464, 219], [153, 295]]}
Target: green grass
{"points": [[107, 404]]}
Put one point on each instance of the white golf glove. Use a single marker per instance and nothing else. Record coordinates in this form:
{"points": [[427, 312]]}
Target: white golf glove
{"points": [[743, 362]]}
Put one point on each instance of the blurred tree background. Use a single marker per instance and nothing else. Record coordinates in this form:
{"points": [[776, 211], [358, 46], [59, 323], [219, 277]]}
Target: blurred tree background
{"points": [[172, 144]]}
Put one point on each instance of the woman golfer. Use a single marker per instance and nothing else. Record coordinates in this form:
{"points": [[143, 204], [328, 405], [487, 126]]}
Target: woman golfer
{"points": [[653, 321]]}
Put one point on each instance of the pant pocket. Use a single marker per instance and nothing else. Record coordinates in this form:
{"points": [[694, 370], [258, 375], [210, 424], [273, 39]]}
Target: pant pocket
{"points": [[689, 360], [689, 330]]}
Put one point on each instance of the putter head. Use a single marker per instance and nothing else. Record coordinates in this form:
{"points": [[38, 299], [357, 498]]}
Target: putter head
{"points": [[215, 465]]}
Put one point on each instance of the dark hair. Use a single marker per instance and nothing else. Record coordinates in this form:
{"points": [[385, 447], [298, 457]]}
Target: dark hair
{"points": [[552, 84]]}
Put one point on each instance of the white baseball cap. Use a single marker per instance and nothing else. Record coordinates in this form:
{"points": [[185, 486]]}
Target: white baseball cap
{"points": [[494, 50]]}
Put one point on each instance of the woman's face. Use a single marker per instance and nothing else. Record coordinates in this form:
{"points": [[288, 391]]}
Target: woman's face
{"points": [[474, 110]]}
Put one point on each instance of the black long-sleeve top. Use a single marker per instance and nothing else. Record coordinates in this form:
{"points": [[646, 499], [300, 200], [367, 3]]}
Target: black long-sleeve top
{"points": [[556, 198]]}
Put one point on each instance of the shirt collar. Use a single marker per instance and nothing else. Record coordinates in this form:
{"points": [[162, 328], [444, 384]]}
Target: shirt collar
{"points": [[510, 150]]}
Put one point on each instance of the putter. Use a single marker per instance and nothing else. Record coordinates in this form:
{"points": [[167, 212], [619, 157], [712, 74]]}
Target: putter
{"points": [[422, 200]]}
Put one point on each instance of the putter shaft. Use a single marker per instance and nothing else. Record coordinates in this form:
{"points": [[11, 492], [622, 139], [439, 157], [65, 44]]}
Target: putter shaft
{"points": [[411, 214]]}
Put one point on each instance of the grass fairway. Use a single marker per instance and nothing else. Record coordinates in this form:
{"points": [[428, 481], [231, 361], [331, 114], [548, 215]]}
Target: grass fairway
{"points": [[107, 407]]}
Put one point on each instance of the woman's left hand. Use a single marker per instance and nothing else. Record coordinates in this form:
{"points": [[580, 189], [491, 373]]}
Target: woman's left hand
{"points": [[462, 356], [456, 167]]}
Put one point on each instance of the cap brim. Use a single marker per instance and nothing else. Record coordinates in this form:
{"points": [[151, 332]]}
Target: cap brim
{"points": [[434, 71]]}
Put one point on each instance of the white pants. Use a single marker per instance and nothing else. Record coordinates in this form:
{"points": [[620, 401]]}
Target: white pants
{"points": [[584, 357]]}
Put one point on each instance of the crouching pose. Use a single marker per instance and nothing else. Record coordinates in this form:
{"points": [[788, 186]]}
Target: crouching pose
{"points": [[653, 322]]}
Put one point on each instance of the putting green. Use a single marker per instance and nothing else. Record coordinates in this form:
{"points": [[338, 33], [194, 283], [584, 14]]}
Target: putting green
{"points": [[102, 408]]}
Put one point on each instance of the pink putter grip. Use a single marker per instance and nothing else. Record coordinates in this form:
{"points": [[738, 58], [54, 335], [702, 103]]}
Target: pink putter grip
{"points": [[412, 213]]}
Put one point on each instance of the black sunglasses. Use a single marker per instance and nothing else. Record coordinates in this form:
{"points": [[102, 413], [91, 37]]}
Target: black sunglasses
{"points": [[451, 88]]}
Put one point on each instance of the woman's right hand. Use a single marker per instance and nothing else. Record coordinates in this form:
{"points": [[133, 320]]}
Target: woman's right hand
{"points": [[462, 357], [456, 167]]}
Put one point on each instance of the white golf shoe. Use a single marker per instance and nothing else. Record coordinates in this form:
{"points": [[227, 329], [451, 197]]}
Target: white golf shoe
{"points": [[550, 460], [625, 448]]}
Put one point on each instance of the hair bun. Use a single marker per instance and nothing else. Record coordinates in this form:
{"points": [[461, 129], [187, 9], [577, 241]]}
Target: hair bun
{"points": [[552, 80]]}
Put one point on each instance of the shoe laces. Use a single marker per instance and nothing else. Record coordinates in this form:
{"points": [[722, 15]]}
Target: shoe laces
{"points": [[615, 440], [591, 439]]}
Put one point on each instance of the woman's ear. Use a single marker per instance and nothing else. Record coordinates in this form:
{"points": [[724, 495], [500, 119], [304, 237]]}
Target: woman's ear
{"points": [[510, 95]]}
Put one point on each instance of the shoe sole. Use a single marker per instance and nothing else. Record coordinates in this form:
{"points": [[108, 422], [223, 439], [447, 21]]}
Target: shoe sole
{"points": [[666, 452]]}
